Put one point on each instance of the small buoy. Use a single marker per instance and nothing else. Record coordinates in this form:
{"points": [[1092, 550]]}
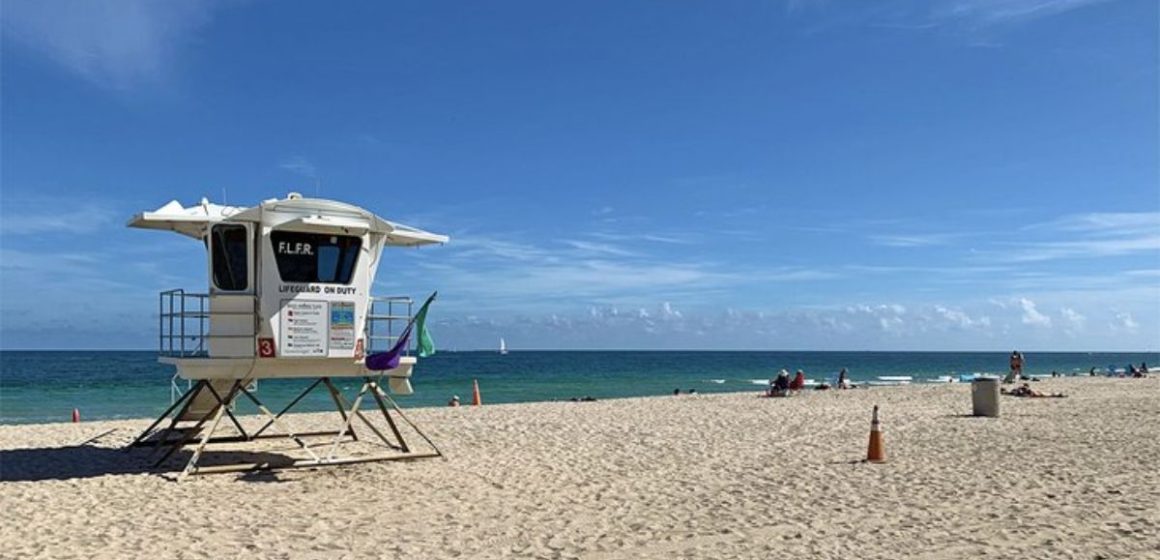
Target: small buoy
{"points": [[76, 416]]}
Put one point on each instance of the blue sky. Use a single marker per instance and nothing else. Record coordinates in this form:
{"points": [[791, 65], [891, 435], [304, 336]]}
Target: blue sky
{"points": [[927, 175]]}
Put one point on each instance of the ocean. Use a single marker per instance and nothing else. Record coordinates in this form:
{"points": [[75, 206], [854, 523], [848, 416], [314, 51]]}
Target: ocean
{"points": [[42, 386]]}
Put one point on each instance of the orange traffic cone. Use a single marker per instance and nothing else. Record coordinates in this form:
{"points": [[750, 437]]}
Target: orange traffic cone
{"points": [[875, 454], [76, 416], [475, 399]]}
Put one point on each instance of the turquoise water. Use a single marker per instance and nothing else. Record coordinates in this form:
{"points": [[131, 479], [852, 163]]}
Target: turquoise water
{"points": [[45, 386]]}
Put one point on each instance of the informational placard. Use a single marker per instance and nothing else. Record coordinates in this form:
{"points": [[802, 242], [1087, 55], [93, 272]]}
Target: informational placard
{"points": [[342, 325], [305, 328]]}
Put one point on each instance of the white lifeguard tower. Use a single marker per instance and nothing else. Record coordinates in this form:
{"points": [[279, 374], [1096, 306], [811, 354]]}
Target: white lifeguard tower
{"points": [[289, 297]]}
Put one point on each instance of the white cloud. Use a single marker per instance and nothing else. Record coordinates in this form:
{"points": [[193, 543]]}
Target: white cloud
{"points": [[674, 239], [1031, 315], [961, 319], [1085, 249], [1125, 322], [598, 248], [118, 44], [1073, 320], [989, 12], [977, 22], [508, 273], [912, 240], [890, 323], [1111, 223], [54, 216], [1088, 236], [300, 166], [863, 326]]}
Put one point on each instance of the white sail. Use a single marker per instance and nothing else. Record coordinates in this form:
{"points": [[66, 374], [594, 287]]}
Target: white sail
{"points": [[502, 346]]}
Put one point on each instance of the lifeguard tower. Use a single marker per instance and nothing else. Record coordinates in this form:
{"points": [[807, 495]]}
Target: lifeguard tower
{"points": [[289, 297]]}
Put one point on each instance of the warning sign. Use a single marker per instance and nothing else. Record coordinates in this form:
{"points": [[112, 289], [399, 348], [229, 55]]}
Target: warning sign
{"points": [[342, 325], [305, 328]]}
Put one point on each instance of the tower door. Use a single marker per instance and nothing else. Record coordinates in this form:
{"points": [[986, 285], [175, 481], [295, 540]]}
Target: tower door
{"points": [[231, 291]]}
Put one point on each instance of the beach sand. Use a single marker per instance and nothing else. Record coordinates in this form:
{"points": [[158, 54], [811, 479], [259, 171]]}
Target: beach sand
{"points": [[701, 476]]}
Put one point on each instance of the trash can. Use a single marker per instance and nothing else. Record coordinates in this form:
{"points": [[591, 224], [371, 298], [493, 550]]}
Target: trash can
{"points": [[985, 396]]}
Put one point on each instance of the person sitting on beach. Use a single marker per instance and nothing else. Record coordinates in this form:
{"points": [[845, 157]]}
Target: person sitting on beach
{"points": [[1025, 390], [843, 379], [799, 381], [454, 401], [779, 387]]}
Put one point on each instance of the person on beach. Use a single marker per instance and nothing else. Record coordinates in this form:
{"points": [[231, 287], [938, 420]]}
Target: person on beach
{"points": [[779, 387], [1017, 364], [1025, 390], [454, 401], [1016, 367], [799, 381], [843, 379]]}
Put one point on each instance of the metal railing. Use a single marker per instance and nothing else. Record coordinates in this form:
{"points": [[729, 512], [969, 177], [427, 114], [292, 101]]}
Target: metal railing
{"points": [[184, 321], [387, 316]]}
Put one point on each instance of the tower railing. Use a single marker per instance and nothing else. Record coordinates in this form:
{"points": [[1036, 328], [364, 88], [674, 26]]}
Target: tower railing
{"points": [[387, 316], [184, 322]]}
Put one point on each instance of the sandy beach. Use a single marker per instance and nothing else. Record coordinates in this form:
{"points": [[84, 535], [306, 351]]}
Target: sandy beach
{"points": [[700, 476]]}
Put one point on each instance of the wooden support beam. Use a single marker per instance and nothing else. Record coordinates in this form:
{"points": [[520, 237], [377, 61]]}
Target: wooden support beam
{"points": [[230, 413], [289, 406], [186, 398], [304, 463], [355, 412], [383, 407]]}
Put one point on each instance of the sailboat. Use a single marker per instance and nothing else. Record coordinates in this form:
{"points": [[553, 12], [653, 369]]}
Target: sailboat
{"points": [[502, 346]]}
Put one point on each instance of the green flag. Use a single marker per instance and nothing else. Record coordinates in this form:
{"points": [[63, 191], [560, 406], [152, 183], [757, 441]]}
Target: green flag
{"points": [[425, 344]]}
